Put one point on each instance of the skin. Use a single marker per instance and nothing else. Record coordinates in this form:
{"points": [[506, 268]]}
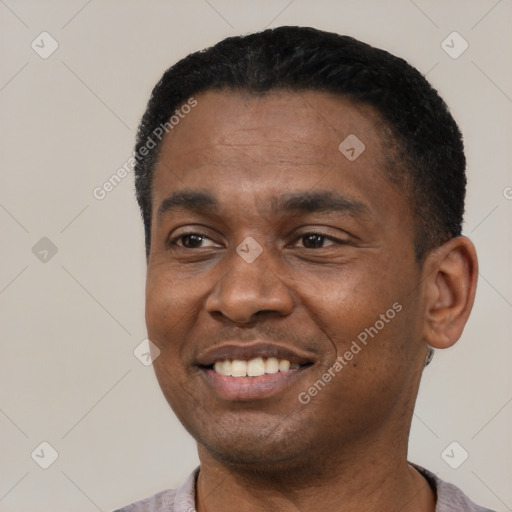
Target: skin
{"points": [[347, 448]]}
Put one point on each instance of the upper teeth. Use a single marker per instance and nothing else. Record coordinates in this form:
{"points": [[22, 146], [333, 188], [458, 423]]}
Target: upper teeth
{"points": [[254, 367]]}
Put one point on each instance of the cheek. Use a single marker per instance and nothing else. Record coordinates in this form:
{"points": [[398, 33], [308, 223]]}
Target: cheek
{"points": [[169, 317], [347, 301], [168, 308], [366, 318]]}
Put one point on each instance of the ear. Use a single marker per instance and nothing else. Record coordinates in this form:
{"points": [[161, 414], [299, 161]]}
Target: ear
{"points": [[450, 274]]}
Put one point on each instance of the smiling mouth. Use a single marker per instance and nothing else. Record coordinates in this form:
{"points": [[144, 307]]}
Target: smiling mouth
{"points": [[239, 380], [252, 371], [255, 367]]}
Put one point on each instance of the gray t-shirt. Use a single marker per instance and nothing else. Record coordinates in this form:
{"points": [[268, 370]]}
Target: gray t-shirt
{"points": [[449, 498]]}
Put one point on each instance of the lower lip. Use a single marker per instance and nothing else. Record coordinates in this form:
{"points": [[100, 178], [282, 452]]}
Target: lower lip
{"points": [[250, 388]]}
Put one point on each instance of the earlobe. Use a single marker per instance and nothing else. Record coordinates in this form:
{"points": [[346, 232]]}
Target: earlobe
{"points": [[450, 275]]}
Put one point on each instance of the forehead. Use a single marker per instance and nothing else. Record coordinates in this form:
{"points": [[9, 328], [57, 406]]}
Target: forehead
{"points": [[245, 147], [303, 127]]}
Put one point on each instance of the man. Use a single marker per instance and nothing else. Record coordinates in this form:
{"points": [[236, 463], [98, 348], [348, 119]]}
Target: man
{"points": [[302, 196]]}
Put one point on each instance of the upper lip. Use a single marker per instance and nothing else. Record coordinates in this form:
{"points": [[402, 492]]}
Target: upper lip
{"points": [[252, 350]]}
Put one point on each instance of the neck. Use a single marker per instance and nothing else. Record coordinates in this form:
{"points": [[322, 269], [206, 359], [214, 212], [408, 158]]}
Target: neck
{"points": [[359, 471], [363, 478]]}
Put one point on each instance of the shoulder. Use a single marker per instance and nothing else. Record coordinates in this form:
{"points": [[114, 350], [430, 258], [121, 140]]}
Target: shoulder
{"points": [[179, 500], [449, 497], [159, 502]]}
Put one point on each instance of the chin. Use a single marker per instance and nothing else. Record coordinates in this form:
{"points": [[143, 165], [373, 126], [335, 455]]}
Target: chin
{"points": [[262, 460], [256, 447]]}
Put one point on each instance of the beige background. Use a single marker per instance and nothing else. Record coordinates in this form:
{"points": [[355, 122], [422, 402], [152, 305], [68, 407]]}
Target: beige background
{"points": [[69, 325]]}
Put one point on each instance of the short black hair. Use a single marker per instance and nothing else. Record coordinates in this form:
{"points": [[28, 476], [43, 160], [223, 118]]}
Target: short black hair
{"points": [[427, 154]]}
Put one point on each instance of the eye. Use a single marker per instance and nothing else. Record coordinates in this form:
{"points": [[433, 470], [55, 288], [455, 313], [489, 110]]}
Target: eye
{"points": [[316, 240], [193, 241]]}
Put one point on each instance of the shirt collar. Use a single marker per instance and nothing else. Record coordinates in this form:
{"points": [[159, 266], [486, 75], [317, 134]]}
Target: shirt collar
{"points": [[184, 499]]}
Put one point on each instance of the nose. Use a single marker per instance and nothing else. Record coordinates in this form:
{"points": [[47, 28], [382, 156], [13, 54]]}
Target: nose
{"points": [[246, 290]]}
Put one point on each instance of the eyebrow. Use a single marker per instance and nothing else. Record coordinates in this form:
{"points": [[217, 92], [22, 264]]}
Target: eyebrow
{"points": [[320, 202], [193, 200], [297, 202]]}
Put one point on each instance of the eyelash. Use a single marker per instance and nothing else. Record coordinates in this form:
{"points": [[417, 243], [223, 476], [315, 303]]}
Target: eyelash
{"points": [[174, 241]]}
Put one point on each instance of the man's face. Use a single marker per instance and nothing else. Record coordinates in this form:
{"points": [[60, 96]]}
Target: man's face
{"points": [[242, 174]]}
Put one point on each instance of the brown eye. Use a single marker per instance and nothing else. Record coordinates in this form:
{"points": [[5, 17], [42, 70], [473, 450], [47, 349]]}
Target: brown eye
{"points": [[192, 241], [313, 241]]}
